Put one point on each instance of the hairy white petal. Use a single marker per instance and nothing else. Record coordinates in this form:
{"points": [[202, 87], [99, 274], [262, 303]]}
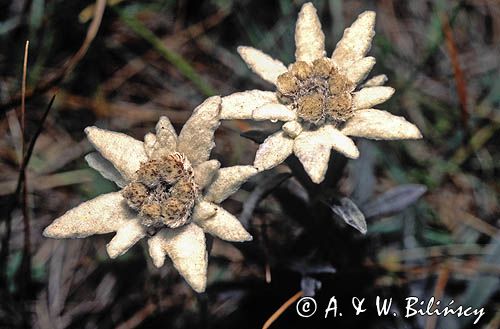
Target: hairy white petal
{"points": [[203, 210], [205, 171], [149, 143], [378, 80], [196, 139], [313, 151], [274, 112], [166, 139], [376, 124], [103, 214], [186, 247], [124, 152], [163, 126], [224, 226], [340, 142], [105, 168], [126, 236], [241, 105], [292, 128], [262, 64], [275, 149], [360, 69], [371, 96], [227, 181], [356, 41], [309, 38]]}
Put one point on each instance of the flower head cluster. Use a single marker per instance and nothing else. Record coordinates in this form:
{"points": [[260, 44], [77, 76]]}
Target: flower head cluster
{"points": [[164, 191], [170, 194], [319, 98], [318, 92]]}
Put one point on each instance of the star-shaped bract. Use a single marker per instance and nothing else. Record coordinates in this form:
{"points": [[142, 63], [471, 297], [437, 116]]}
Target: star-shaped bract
{"points": [[118, 159], [317, 98]]}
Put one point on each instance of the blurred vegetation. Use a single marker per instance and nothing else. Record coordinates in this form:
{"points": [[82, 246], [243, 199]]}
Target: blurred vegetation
{"points": [[144, 59]]}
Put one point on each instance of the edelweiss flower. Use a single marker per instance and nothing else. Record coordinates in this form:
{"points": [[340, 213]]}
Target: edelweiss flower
{"points": [[317, 97], [170, 194]]}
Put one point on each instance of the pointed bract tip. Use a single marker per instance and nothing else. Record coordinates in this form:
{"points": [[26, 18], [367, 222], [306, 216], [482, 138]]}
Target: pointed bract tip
{"points": [[308, 5], [48, 232], [112, 253], [241, 49], [241, 236], [90, 129], [317, 179], [158, 262], [413, 133], [354, 154], [199, 288], [368, 14]]}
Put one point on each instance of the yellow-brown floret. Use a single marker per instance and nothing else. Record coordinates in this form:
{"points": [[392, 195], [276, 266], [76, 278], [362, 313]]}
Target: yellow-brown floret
{"points": [[318, 92], [164, 192]]}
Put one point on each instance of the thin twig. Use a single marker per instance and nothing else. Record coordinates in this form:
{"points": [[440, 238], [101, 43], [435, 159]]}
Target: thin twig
{"points": [[282, 309], [25, 268], [23, 93], [91, 33], [442, 280], [461, 85]]}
